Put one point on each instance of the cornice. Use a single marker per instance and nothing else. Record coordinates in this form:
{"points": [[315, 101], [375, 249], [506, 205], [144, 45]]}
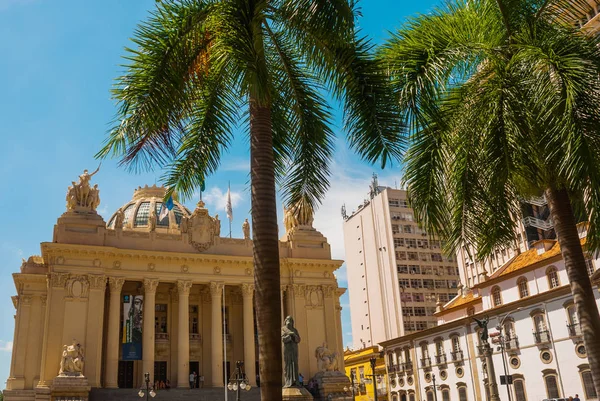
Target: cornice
{"points": [[519, 272]]}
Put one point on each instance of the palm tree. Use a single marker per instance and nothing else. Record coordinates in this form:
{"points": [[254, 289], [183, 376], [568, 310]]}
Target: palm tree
{"points": [[200, 67], [502, 101]]}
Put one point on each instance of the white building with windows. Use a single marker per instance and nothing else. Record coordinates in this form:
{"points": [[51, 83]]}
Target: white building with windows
{"points": [[530, 309]]}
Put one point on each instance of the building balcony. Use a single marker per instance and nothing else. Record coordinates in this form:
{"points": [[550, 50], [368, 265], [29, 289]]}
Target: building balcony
{"points": [[511, 343], [441, 359], [531, 221], [541, 337], [161, 337], [574, 330], [426, 362], [195, 337], [407, 366], [457, 356]]}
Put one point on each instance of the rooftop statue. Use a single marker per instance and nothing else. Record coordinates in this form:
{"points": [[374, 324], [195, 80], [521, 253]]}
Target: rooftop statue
{"points": [[246, 229], [81, 195], [297, 215], [71, 363]]}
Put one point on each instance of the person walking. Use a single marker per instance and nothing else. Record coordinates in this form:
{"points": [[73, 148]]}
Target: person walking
{"points": [[192, 380], [576, 398], [301, 379]]}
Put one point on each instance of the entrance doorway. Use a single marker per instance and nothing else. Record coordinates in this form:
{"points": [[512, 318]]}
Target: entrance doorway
{"points": [[125, 375], [195, 367], [160, 371]]}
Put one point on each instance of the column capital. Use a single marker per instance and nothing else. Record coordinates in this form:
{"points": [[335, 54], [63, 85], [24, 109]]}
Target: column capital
{"points": [[150, 285], [216, 289], [57, 280], [247, 290], [97, 281], [116, 284], [298, 289], [184, 287], [327, 290]]}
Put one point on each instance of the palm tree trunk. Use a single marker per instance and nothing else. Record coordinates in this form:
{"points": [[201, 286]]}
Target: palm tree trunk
{"points": [[266, 252], [581, 286]]}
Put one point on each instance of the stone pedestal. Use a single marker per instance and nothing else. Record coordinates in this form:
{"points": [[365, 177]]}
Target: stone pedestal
{"points": [[296, 394], [331, 385], [75, 388]]}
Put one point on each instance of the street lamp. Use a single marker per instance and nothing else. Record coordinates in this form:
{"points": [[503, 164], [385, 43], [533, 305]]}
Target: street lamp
{"points": [[434, 387], [373, 361], [238, 382], [149, 389], [353, 385], [503, 349]]}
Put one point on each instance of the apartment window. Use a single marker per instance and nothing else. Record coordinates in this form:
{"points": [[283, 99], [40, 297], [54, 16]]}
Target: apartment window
{"points": [[398, 241], [408, 326], [452, 270], [445, 394], [406, 297], [523, 287], [408, 229], [402, 269], [395, 229], [496, 296], [411, 243], [394, 203], [400, 255], [452, 284], [589, 264], [551, 385], [443, 297], [193, 318], [462, 393], [418, 298], [160, 319], [588, 385], [404, 282], [415, 269], [436, 257], [423, 243], [430, 311], [552, 275], [430, 297], [435, 244], [456, 343], [403, 202], [439, 347], [426, 270], [407, 311], [519, 385], [420, 325], [416, 283], [419, 311], [413, 256], [441, 284], [424, 257], [424, 350], [428, 283]]}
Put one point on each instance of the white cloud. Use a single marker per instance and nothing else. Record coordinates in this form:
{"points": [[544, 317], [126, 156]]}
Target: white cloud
{"points": [[218, 199], [6, 346], [241, 165]]}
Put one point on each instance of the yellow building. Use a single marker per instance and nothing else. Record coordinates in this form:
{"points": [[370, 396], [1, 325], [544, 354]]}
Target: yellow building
{"points": [[159, 295], [359, 369]]}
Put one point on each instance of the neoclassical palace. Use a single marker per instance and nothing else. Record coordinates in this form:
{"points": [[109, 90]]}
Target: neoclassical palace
{"points": [[168, 296]]}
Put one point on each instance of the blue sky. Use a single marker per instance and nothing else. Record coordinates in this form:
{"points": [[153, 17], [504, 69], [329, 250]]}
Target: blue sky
{"points": [[58, 60]]}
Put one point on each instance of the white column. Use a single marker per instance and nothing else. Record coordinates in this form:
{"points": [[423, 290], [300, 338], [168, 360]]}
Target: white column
{"points": [[148, 327], [216, 294], [183, 334], [249, 347]]}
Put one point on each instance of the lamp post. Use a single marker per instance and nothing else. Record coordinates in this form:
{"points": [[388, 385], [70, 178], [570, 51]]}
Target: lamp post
{"points": [[238, 381], [502, 349], [353, 388], [149, 389], [373, 361], [434, 387]]}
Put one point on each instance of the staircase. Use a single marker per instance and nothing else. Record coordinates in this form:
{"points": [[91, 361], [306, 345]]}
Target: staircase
{"points": [[175, 394]]}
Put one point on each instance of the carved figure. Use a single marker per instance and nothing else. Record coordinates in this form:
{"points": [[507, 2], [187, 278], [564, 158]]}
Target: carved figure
{"points": [[326, 359], [483, 326], [71, 363], [246, 229], [152, 220], [290, 339], [299, 214], [201, 230], [81, 194], [119, 219], [184, 225], [217, 225]]}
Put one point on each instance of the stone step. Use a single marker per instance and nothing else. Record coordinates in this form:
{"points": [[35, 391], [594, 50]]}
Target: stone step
{"points": [[205, 394]]}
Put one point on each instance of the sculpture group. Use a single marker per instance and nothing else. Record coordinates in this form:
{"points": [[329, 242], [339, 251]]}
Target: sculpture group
{"points": [[71, 363], [82, 195], [327, 360]]}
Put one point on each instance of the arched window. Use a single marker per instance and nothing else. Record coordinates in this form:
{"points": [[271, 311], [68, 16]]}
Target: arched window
{"points": [[588, 385], [411, 396], [519, 385], [496, 296], [552, 275], [429, 395], [462, 393], [446, 394], [551, 383], [523, 287]]}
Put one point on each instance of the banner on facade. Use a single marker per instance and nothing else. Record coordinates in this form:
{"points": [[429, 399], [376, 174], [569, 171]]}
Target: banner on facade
{"points": [[133, 312]]}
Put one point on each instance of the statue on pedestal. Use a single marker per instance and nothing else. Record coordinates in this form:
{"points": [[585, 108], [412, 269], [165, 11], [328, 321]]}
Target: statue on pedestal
{"points": [[246, 229], [71, 363], [484, 329], [290, 339], [152, 220], [326, 359], [82, 195], [119, 219], [217, 225]]}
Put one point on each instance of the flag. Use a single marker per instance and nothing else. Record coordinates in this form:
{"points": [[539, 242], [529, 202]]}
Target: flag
{"points": [[164, 209], [228, 208], [203, 186]]}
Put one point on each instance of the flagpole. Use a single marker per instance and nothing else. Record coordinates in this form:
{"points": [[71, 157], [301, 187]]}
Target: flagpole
{"points": [[224, 347], [230, 209]]}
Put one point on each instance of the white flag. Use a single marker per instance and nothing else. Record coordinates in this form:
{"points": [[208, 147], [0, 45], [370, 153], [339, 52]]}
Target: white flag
{"points": [[228, 207]]}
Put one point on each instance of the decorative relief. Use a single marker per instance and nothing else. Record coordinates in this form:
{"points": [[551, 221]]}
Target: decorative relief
{"points": [[97, 262], [44, 299], [184, 268], [314, 296], [299, 290], [184, 287], [326, 274], [201, 228], [216, 289], [58, 280], [15, 301], [248, 271], [327, 290], [150, 285], [25, 299], [116, 284], [247, 290], [77, 287], [60, 260], [151, 267], [97, 281], [217, 270], [298, 273], [116, 264]]}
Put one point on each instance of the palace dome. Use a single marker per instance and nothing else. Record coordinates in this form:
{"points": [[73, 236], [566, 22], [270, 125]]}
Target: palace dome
{"points": [[137, 210]]}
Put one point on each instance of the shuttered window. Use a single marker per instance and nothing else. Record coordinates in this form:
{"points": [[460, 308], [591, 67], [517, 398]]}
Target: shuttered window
{"points": [[588, 384], [520, 390], [462, 394], [551, 386], [445, 395]]}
